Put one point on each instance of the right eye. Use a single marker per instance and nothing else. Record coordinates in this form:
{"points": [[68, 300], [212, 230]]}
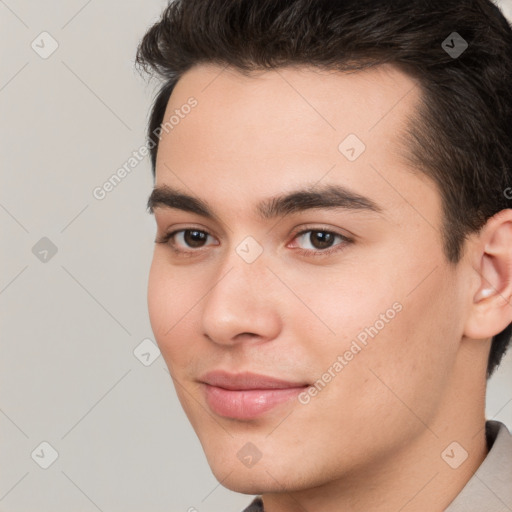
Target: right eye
{"points": [[187, 238]]}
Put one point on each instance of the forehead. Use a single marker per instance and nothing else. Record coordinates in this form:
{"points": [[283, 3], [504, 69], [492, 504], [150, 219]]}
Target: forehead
{"points": [[324, 99], [259, 133]]}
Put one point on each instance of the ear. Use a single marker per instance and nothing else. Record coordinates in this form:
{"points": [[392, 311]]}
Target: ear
{"points": [[491, 310]]}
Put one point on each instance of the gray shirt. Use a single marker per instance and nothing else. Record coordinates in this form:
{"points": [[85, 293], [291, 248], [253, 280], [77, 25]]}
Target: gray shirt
{"points": [[488, 490]]}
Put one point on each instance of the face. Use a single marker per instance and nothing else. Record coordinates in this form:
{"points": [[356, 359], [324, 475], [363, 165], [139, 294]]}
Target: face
{"points": [[296, 329]]}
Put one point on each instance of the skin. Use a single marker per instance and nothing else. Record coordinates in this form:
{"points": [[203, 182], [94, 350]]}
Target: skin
{"points": [[375, 434]]}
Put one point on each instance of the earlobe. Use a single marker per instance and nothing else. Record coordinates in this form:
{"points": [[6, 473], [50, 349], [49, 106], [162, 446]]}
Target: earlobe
{"points": [[491, 311]]}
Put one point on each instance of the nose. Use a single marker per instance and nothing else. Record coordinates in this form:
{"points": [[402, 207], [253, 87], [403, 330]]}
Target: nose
{"points": [[240, 305]]}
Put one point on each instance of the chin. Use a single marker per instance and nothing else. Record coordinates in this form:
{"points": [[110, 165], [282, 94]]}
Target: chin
{"points": [[262, 478], [245, 481]]}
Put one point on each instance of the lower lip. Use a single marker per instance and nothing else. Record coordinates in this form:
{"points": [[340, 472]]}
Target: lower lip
{"points": [[249, 403]]}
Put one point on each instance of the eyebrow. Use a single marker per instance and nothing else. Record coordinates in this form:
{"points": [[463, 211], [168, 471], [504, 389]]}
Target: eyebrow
{"points": [[326, 197]]}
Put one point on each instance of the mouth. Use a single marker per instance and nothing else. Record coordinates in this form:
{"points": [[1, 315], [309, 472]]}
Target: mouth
{"points": [[245, 396]]}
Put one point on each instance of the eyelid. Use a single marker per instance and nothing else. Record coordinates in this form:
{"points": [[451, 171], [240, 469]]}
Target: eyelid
{"points": [[328, 229], [333, 249], [168, 235]]}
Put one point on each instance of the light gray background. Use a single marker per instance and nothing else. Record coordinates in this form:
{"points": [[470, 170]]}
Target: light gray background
{"points": [[70, 325]]}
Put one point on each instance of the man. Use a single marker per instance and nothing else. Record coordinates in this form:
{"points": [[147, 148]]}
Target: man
{"points": [[332, 277]]}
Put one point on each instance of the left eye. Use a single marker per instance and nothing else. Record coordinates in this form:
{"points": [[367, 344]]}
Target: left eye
{"points": [[318, 240]]}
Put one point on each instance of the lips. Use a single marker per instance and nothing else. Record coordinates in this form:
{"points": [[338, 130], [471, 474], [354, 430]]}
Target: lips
{"points": [[245, 396]]}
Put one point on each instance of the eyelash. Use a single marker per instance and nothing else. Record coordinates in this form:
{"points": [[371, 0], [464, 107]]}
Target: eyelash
{"points": [[164, 239]]}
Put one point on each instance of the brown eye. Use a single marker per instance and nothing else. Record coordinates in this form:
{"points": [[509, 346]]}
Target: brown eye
{"points": [[321, 239], [186, 240], [320, 242], [194, 238]]}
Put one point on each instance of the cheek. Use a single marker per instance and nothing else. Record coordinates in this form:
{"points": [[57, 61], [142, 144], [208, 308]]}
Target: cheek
{"points": [[160, 300], [171, 300], [394, 326], [412, 358], [340, 306]]}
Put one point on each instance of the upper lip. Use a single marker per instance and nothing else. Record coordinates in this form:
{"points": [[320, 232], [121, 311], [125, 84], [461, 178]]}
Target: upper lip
{"points": [[246, 380]]}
